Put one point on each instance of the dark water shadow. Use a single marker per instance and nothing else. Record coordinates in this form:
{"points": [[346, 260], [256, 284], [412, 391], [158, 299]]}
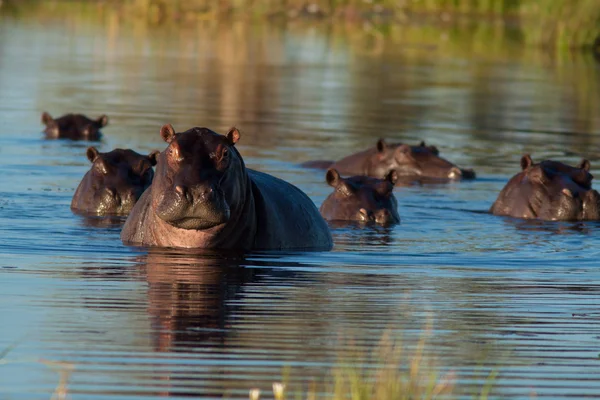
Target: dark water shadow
{"points": [[362, 234], [100, 221], [555, 227], [187, 295]]}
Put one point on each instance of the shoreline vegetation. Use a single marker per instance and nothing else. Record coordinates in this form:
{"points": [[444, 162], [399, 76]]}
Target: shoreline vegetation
{"points": [[553, 24], [556, 24]]}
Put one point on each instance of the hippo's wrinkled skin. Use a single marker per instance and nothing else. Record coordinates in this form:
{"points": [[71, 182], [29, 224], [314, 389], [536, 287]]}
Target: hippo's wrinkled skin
{"points": [[203, 196], [114, 183], [549, 190], [73, 126], [412, 163], [361, 198]]}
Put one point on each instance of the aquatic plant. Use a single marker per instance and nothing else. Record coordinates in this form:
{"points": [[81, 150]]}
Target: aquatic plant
{"points": [[389, 371]]}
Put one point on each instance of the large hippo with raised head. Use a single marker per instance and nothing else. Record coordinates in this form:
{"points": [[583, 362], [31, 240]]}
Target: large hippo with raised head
{"points": [[549, 190], [114, 183], [73, 126], [203, 196], [420, 163], [361, 198]]}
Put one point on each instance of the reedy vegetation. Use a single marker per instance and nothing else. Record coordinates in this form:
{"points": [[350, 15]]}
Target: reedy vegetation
{"points": [[552, 23]]}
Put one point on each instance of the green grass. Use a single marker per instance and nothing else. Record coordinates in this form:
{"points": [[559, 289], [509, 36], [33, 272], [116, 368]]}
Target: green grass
{"points": [[558, 24], [388, 372]]}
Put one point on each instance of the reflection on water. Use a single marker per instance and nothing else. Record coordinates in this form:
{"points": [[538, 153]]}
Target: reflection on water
{"points": [[515, 294]]}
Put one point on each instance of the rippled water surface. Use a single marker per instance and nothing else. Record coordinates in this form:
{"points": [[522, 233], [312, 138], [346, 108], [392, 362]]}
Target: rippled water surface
{"points": [[518, 297]]}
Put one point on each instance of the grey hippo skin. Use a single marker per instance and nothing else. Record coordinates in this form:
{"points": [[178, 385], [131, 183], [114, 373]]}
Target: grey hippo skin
{"points": [[73, 126], [114, 183], [549, 190], [203, 196], [420, 163], [361, 198]]}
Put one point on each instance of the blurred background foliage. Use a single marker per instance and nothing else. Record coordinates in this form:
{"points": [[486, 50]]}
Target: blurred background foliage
{"points": [[560, 24]]}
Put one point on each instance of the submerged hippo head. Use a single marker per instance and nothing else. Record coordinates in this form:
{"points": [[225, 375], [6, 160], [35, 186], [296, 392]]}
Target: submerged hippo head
{"points": [[549, 190], [361, 198], [415, 162], [195, 182], [73, 126], [115, 182]]}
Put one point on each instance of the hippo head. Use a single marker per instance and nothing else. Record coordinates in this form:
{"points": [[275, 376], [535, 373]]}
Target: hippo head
{"points": [[550, 190], [196, 183], [361, 198], [73, 126], [422, 162], [561, 192], [115, 182]]}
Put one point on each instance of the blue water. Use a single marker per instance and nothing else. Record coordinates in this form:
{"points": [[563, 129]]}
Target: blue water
{"points": [[505, 295]]}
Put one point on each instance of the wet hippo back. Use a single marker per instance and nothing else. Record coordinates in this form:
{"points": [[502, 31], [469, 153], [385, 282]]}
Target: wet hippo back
{"points": [[289, 218]]}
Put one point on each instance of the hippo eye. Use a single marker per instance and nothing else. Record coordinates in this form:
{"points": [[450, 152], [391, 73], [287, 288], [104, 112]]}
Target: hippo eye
{"points": [[101, 167], [174, 154]]}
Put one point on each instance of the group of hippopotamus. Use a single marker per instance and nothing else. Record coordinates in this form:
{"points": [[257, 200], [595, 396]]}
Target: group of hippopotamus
{"points": [[203, 196]]}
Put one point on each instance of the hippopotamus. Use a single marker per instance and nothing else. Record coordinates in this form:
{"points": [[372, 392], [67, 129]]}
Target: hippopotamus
{"points": [[420, 163], [203, 196], [73, 126], [361, 198], [114, 183], [549, 190]]}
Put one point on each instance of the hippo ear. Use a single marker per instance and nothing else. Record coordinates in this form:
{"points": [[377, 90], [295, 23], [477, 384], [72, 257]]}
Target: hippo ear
{"points": [[47, 118], [381, 145], [585, 165], [233, 136], [526, 161], [333, 177], [92, 153], [152, 157], [167, 133], [392, 177], [102, 121]]}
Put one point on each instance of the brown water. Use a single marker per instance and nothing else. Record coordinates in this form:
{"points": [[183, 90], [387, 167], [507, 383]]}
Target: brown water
{"points": [[518, 297]]}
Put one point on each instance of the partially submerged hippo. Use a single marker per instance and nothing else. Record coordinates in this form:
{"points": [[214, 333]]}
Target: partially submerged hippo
{"points": [[411, 163], [549, 190], [73, 126], [203, 196], [114, 183], [361, 198]]}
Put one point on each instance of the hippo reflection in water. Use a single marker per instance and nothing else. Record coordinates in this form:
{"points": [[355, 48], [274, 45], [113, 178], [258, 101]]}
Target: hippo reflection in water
{"points": [[420, 163], [361, 198], [73, 126], [114, 183], [203, 196], [549, 190]]}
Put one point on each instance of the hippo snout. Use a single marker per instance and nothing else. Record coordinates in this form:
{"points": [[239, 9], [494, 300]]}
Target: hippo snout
{"points": [[196, 195], [458, 173], [591, 205], [384, 217]]}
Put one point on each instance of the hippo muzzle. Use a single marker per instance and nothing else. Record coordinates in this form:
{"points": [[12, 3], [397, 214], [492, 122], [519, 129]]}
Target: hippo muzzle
{"points": [[198, 207]]}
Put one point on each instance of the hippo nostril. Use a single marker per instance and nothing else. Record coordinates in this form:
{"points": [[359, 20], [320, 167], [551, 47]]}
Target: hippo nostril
{"points": [[184, 193], [383, 216], [454, 173]]}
